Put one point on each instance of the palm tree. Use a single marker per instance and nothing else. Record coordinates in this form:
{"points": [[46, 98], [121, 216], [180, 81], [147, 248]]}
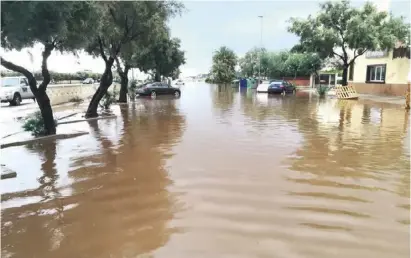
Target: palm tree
{"points": [[224, 62]]}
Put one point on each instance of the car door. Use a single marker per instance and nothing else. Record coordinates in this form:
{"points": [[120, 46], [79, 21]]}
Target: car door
{"points": [[164, 89], [25, 91]]}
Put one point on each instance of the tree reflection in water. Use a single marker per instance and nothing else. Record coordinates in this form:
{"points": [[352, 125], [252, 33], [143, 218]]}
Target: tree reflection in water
{"points": [[121, 205]]}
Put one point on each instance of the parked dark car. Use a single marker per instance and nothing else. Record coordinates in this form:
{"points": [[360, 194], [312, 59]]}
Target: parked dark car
{"points": [[281, 86], [158, 88]]}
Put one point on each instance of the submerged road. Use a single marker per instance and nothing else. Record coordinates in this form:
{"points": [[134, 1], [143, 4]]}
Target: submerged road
{"points": [[217, 173]]}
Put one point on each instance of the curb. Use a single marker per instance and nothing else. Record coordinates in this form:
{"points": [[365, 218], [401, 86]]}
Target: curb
{"points": [[50, 137]]}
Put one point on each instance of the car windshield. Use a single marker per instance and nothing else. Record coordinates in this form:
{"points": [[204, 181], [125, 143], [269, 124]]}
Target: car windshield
{"points": [[7, 82]]}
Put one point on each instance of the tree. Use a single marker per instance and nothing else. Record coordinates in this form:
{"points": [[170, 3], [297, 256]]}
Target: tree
{"points": [[223, 68], [276, 64], [126, 56], [62, 26], [339, 28], [298, 64], [123, 22], [163, 56], [250, 63]]}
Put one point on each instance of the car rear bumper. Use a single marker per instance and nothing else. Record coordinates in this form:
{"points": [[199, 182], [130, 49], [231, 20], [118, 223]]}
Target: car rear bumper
{"points": [[275, 90]]}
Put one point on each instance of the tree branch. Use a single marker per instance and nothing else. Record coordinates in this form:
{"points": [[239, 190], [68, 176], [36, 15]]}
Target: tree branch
{"points": [[342, 58], [127, 68], [100, 43], [119, 70], [355, 56], [113, 15], [16, 68], [44, 70]]}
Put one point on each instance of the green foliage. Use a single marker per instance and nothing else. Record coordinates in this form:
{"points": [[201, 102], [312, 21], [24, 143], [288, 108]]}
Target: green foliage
{"points": [[132, 89], [280, 64], [34, 123], [108, 99], [223, 68], [67, 25], [208, 80], [341, 26], [162, 56], [322, 90], [249, 64], [79, 76]]}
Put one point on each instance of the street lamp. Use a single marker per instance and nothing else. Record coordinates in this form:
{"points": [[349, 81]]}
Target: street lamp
{"points": [[261, 49]]}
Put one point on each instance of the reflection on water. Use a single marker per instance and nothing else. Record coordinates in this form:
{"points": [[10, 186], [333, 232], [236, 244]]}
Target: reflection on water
{"points": [[221, 172]]}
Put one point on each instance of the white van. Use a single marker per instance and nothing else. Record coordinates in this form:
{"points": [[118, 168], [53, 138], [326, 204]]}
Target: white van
{"points": [[88, 81], [14, 90]]}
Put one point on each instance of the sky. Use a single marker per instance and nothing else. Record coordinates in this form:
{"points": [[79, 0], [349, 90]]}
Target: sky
{"points": [[207, 25]]}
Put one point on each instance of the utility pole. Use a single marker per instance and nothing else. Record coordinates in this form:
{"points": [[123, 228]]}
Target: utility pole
{"points": [[261, 50]]}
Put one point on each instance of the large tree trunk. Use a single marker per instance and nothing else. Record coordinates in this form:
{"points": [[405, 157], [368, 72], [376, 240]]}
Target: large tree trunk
{"points": [[345, 75], [39, 93], [124, 85], [105, 82], [44, 104], [157, 77]]}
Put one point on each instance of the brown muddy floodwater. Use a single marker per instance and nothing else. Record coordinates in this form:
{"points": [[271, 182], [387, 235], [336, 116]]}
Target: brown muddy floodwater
{"points": [[217, 173]]}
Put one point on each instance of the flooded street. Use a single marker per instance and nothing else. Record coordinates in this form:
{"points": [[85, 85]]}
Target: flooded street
{"points": [[217, 173]]}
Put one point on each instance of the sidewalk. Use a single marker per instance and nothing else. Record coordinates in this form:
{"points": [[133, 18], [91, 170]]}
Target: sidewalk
{"points": [[384, 99], [395, 100]]}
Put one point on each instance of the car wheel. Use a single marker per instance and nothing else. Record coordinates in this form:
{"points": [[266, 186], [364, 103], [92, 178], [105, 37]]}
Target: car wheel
{"points": [[177, 94], [16, 99], [153, 94], [283, 93]]}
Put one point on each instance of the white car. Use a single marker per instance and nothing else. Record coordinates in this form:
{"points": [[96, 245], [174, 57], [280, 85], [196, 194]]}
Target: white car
{"points": [[88, 81], [263, 87], [14, 90], [179, 82]]}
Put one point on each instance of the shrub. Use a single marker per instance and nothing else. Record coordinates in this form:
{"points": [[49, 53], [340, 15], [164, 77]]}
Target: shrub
{"points": [[34, 123], [208, 80], [322, 90], [76, 99], [132, 89], [108, 99]]}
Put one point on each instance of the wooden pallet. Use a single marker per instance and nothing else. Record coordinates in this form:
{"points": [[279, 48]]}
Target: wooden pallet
{"points": [[346, 92]]}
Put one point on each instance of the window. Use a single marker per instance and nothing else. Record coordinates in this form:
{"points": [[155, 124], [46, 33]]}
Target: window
{"points": [[376, 73]]}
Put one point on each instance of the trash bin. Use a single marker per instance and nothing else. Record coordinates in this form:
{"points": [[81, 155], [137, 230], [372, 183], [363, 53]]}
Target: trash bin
{"points": [[243, 83]]}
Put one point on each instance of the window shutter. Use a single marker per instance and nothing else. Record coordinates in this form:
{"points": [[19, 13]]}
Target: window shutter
{"points": [[367, 79]]}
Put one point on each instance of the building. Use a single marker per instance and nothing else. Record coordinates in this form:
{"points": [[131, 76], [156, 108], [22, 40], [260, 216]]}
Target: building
{"points": [[381, 72]]}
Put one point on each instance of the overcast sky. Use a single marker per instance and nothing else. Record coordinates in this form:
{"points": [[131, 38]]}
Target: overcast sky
{"points": [[207, 25]]}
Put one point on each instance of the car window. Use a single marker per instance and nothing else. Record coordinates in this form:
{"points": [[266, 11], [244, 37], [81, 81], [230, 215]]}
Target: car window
{"points": [[23, 81], [9, 82]]}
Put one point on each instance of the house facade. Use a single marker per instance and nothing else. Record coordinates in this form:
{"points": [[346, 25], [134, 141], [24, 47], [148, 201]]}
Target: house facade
{"points": [[381, 72]]}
